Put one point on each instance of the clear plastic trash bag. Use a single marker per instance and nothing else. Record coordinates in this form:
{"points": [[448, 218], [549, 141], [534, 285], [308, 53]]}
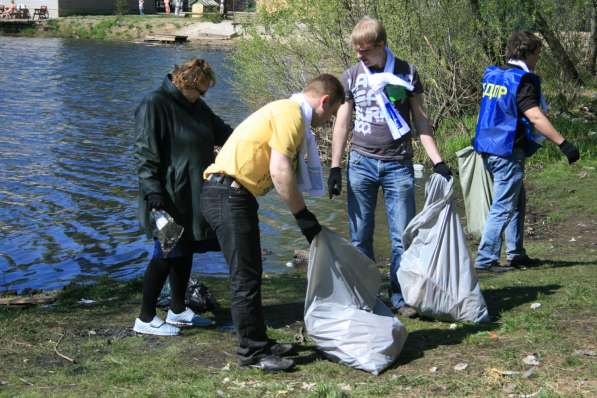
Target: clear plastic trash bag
{"points": [[343, 314], [436, 273]]}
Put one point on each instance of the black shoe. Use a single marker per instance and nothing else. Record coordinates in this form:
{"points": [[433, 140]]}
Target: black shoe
{"points": [[281, 349], [270, 363], [495, 268], [523, 261]]}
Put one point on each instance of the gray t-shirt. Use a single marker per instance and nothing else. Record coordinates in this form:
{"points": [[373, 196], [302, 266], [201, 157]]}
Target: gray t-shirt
{"points": [[371, 134]]}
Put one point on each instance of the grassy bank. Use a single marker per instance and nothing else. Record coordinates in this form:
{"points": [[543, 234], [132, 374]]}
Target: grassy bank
{"points": [[110, 361], [578, 124], [119, 27]]}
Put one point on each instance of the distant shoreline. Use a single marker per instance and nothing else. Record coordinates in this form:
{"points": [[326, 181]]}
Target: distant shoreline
{"points": [[134, 29]]}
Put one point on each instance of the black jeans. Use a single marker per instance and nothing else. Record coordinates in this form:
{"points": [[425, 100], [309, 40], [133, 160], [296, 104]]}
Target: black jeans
{"points": [[232, 214]]}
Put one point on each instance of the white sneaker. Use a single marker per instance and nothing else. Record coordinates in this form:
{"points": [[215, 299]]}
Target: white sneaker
{"points": [[188, 318], [156, 327]]}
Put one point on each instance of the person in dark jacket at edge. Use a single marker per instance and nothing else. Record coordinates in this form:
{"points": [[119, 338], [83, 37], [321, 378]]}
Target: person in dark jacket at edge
{"points": [[176, 134], [512, 108]]}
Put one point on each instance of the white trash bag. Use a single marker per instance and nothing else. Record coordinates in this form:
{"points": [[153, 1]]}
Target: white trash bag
{"points": [[342, 312], [436, 273]]}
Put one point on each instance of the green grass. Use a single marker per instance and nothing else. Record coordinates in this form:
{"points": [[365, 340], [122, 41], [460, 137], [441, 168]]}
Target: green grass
{"points": [[108, 27], [454, 134], [213, 17], [200, 363]]}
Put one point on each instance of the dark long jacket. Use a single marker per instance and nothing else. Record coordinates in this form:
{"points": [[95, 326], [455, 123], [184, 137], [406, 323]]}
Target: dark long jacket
{"points": [[175, 143]]}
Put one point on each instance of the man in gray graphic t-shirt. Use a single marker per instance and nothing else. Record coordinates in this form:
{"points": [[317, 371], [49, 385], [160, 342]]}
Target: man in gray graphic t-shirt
{"points": [[380, 154], [370, 134]]}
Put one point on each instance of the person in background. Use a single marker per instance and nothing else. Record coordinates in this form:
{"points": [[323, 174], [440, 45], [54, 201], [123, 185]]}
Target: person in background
{"points": [[141, 4], [512, 109], [176, 134], [273, 147], [167, 6], [10, 10], [384, 92]]}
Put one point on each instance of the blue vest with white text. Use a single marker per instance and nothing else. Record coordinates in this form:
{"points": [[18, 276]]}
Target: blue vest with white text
{"points": [[499, 115]]}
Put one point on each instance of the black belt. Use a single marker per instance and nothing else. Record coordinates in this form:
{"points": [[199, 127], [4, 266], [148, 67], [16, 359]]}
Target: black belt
{"points": [[223, 179]]}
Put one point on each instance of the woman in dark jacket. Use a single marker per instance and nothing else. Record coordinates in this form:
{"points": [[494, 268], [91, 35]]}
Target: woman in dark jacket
{"points": [[176, 135]]}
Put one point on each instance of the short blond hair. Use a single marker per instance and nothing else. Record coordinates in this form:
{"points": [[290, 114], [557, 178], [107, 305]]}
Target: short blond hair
{"points": [[368, 31], [192, 73]]}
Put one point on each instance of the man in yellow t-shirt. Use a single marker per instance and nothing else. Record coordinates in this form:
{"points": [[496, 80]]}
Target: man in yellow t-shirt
{"points": [[260, 154], [278, 125]]}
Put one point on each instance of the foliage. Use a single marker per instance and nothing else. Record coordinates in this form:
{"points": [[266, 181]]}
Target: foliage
{"points": [[122, 7], [309, 37], [108, 27], [214, 17], [447, 40]]}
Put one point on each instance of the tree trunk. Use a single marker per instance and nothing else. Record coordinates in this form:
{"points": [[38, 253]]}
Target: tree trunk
{"points": [[593, 39], [556, 48]]}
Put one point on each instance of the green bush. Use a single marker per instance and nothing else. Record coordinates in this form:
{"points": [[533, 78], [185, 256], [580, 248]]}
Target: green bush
{"points": [[122, 7], [212, 17], [448, 42], [53, 25]]}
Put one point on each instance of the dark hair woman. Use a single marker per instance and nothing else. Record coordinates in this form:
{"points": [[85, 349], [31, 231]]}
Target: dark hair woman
{"points": [[176, 134]]}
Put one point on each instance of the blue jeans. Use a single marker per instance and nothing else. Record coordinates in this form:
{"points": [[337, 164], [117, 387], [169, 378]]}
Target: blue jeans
{"points": [[396, 179], [506, 215]]}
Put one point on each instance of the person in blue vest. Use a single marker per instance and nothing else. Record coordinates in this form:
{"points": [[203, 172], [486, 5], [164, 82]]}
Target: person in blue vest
{"points": [[511, 114]]}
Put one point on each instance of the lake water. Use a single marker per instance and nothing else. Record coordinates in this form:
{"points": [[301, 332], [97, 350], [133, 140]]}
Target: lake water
{"points": [[67, 173]]}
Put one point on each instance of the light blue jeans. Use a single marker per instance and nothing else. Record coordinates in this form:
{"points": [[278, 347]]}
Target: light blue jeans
{"points": [[396, 179], [506, 215]]}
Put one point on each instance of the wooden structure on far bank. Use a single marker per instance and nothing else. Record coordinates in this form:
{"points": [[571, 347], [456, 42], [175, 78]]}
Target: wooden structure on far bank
{"points": [[64, 8]]}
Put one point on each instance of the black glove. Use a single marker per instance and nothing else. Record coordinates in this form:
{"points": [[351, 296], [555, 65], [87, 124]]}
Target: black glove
{"points": [[335, 181], [155, 201], [442, 169], [307, 223], [570, 151]]}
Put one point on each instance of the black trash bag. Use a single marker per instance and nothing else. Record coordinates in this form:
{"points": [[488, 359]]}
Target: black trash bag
{"points": [[164, 297], [197, 297]]}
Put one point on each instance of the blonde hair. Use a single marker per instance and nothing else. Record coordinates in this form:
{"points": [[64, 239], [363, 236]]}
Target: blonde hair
{"points": [[368, 31], [192, 73]]}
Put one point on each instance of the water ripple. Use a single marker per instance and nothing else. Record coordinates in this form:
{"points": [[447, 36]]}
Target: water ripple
{"points": [[67, 175]]}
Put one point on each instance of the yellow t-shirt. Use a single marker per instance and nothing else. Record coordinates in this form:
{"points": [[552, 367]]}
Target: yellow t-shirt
{"points": [[246, 154]]}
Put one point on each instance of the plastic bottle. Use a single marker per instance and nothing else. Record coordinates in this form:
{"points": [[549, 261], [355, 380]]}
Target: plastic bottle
{"points": [[166, 230]]}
